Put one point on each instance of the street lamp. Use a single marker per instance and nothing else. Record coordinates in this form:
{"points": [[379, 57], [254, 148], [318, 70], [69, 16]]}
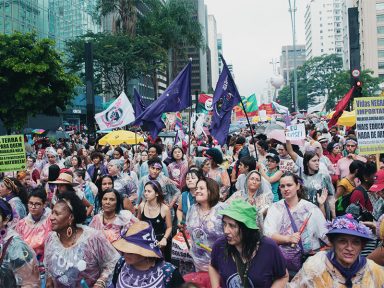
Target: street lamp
{"points": [[292, 11]]}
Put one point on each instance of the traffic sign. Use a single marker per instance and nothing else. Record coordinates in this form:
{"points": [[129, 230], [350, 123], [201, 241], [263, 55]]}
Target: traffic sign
{"points": [[355, 73]]}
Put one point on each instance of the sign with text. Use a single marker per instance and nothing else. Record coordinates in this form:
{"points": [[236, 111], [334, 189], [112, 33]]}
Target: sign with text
{"points": [[12, 153], [295, 132], [370, 124]]}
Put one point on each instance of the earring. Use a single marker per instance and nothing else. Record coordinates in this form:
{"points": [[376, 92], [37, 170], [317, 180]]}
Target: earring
{"points": [[69, 232]]}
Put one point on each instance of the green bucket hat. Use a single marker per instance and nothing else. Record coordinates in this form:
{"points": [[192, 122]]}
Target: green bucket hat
{"points": [[243, 212]]}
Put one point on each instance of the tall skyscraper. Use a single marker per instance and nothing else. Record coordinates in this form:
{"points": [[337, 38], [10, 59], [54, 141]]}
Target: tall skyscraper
{"points": [[71, 18], [220, 51], [199, 56], [24, 16], [212, 44], [323, 28]]}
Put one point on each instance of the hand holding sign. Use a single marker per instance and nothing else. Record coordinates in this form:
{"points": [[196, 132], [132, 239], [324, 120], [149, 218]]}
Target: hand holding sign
{"points": [[295, 132]]}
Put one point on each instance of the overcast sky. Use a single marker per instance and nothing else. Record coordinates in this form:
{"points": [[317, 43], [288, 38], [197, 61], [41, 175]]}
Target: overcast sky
{"points": [[253, 33]]}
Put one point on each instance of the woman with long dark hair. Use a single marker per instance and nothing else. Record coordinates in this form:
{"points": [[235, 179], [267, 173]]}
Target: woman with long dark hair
{"points": [[178, 168], [285, 219], [204, 223], [112, 219], [244, 256], [155, 211], [318, 184]]}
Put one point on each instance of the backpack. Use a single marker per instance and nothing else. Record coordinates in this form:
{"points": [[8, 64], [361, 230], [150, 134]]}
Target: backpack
{"points": [[356, 209]]}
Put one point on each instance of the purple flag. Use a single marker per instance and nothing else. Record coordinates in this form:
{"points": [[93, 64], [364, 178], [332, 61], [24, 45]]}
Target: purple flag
{"points": [[225, 98], [139, 106], [175, 98]]}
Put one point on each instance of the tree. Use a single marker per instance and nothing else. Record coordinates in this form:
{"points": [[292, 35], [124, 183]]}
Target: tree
{"points": [[117, 58], [123, 13], [122, 56], [178, 27], [324, 76], [32, 79]]}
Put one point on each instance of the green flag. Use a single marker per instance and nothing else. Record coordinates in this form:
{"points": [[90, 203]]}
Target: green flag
{"points": [[251, 103]]}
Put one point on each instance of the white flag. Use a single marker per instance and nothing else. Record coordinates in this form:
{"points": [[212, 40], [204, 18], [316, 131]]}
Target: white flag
{"points": [[199, 125], [280, 108], [318, 108], [118, 114]]}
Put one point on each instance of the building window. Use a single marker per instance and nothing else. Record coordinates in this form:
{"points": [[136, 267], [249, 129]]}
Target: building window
{"points": [[380, 30], [381, 53], [381, 65], [380, 41], [379, 6], [380, 18]]}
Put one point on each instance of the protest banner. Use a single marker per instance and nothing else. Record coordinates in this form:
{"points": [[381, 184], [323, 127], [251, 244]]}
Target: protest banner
{"points": [[370, 124], [295, 132], [12, 153], [263, 115]]}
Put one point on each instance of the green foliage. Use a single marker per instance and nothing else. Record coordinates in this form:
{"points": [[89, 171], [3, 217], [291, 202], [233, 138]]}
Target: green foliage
{"points": [[324, 76], [117, 58], [177, 27], [32, 79], [125, 18], [128, 53]]}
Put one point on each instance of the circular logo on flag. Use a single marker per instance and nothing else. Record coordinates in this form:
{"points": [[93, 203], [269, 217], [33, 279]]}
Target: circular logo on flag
{"points": [[208, 104], [114, 116]]}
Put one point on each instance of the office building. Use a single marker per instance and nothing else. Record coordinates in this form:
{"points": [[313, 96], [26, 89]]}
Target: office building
{"points": [[323, 28], [214, 55], [286, 60]]}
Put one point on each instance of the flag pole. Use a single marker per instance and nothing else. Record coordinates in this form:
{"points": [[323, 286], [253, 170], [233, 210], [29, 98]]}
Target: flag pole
{"points": [[250, 127]]}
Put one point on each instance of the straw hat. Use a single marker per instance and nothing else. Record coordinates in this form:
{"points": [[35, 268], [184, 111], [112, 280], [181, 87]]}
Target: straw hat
{"points": [[139, 239], [64, 178]]}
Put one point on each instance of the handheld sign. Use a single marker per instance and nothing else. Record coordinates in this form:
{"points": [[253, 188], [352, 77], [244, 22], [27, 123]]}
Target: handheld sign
{"points": [[295, 132], [370, 124], [12, 153]]}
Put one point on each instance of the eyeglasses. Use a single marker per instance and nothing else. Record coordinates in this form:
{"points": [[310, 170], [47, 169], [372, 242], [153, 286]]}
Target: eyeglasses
{"points": [[35, 205], [348, 145]]}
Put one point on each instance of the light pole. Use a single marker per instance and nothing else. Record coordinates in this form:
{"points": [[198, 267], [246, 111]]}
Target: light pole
{"points": [[292, 11]]}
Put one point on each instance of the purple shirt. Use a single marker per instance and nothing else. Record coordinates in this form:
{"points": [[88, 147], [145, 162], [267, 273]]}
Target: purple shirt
{"points": [[267, 266]]}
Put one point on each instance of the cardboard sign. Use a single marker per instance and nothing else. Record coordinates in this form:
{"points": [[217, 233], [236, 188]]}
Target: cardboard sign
{"points": [[370, 124], [12, 153], [295, 132]]}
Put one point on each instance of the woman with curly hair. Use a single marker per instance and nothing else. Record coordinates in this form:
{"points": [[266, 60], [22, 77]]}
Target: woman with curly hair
{"points": [[76, 252]]}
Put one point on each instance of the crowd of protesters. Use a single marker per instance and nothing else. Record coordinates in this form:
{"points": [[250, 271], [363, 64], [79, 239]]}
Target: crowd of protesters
{"points": [[255, 212]]}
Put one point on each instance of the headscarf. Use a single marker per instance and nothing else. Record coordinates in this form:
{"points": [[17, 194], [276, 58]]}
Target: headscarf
{"points": [[265, 186]]}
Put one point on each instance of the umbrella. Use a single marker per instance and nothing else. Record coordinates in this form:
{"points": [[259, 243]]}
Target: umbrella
{"points": [[104, 131], [346, 119], [272, 126], [38, 131], [57, 134], [121, 136]]}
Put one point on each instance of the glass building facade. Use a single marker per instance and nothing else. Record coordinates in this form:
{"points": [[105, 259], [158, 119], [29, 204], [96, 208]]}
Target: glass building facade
{"points": [[59, 20]]}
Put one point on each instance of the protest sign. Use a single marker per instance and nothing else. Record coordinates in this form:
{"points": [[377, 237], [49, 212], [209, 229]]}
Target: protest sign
{"points": [[263, 115], [295, 132], [12, 153], [370, 124]]}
